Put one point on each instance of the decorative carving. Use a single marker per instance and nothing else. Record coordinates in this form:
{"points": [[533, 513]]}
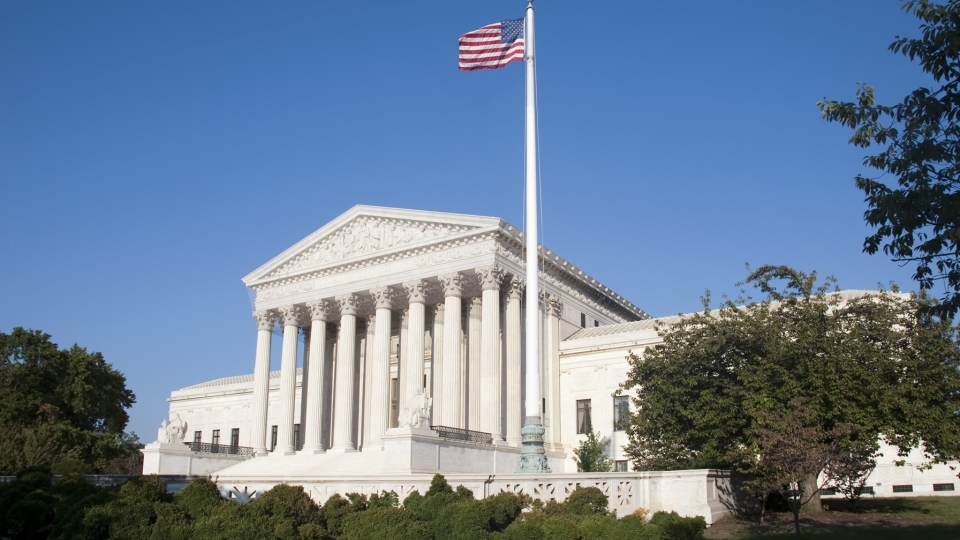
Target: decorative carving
{"points": [[367, 235], [453, 283], [383, 297], [265, 319], [290, 315], [515, 286], [533, 458], [489, 277], [416, 291], [554, 306], [348, 304], [173, 432], [320, 310], [417, 413]]}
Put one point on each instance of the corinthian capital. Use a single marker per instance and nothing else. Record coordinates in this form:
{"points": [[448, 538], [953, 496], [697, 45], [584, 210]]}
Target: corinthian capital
{"points": [[489, 277], [291, 315], [453, 283], [515, 286], [320, 310], [265, 319], [554, 306], [348, 303], [416, 291], [383, 297]]}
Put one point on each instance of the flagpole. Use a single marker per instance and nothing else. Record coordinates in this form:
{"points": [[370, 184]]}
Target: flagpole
{"points": [[533, 458]]}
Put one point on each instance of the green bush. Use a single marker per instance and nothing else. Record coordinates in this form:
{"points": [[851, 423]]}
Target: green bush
{"points": [[385, 523], [675, 527], [200, 498], [586, 501]]}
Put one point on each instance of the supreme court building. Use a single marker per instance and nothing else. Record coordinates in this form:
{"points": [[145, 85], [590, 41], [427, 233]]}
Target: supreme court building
{"points": [[402, 356]]}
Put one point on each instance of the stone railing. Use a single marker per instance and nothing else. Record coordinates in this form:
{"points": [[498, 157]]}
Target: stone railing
{"points": [[209, 448]]}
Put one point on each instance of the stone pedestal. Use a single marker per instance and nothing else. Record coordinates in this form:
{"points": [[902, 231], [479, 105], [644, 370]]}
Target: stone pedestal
{"points": [[178, 459]]}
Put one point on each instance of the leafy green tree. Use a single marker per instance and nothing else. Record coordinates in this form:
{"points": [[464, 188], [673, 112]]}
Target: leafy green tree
{"points": [[917, 219], [591, 454], [59, 404], [879, 364]]}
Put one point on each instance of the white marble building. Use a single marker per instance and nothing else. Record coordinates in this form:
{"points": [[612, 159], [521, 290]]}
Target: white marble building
{"points": [[394, 320]]}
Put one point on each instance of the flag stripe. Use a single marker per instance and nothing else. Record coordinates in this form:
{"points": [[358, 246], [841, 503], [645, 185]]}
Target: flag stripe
{"points": [[489, 48]]}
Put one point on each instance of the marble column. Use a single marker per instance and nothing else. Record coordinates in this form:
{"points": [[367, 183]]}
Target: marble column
{"points": [[513, 336], [451, 415], [489, 381], [554, 307], [290, 318], [313, 377], [261, 382], [474, 336], [380, 367], [344, 400], [436, 363], [416, 326]]}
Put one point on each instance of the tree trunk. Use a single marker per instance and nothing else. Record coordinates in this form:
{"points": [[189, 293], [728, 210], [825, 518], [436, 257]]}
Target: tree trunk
{"points": [[811, 491]]}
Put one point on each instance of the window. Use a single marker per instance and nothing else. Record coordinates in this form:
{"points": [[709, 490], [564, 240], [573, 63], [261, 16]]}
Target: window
{"points": [[583, 320], [903, 489], [197, 435], [273, 437], [235, 437], [584, 424], [943, 487], [296, 436], [621, 412], [865, 490], [620, 465], [216, 437], [828, 491], [596, 322]]}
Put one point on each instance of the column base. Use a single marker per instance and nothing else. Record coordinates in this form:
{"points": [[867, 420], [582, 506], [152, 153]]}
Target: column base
{"points": [[336, 450], [261, 452], [310, 451], [278, 453]]}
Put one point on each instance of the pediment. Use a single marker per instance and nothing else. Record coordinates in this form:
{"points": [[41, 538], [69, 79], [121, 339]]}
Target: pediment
{"points": [[367, 231]]}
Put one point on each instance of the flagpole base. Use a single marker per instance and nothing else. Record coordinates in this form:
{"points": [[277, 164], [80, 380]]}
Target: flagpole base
{"points": [[533, 457]]}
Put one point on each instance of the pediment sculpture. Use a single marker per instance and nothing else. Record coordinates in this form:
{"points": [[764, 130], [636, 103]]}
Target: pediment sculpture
{"points": [[417, 413], [172, 432]]}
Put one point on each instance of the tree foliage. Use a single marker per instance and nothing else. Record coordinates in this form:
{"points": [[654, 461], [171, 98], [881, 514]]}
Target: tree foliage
{"points": [[835, 372], [917, 218], [59, 404], [591, 454]]}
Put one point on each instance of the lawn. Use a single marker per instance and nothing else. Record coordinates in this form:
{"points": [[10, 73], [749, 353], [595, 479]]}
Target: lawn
{"points": [[925, 518]]}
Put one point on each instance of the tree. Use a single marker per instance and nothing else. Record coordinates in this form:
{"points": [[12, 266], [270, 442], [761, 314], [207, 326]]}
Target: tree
{"points": [[591, 454], [917, 220], [59, 404], [856, 367]]}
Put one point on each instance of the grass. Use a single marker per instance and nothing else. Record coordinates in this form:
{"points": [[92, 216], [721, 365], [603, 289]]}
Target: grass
{"points": [[924, 518]]}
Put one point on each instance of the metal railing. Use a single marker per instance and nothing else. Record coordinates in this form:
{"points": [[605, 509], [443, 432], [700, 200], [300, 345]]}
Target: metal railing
{"points": [[464, 435], [209, 448]]}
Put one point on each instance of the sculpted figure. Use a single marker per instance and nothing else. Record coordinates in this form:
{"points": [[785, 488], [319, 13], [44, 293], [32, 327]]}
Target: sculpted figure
{"points": [[417, 414], [176, 429], [163, 436]]}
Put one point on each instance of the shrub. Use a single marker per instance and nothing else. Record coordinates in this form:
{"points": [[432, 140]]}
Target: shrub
{"points": [[586, 501], [675, 527], [385, 523], [287, 503]]}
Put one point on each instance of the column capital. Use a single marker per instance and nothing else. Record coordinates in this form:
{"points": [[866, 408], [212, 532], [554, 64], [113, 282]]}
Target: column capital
{"points": [[320, 310], [554, 305], [291, 315], [515, 286], [383, 297], [416, 291], [265, 319], [490, 277], [453, 283], [348, 303]]}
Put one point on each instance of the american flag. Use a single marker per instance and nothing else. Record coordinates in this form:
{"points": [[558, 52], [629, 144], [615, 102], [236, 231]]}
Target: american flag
{"points": [[493, 46]]}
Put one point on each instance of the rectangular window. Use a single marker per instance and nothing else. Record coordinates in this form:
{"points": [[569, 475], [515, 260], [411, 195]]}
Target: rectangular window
{"points": [[216, 437], [273, 437], [296, 436], [584, 423], [596, 322], [621, 412], [235, 437], [197, 435], [583, 320], [903, 489], [620, 465], [865, 490], [943, 487]]}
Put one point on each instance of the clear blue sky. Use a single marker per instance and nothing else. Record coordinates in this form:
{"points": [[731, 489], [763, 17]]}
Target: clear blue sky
{"points": [[152, 155]]}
